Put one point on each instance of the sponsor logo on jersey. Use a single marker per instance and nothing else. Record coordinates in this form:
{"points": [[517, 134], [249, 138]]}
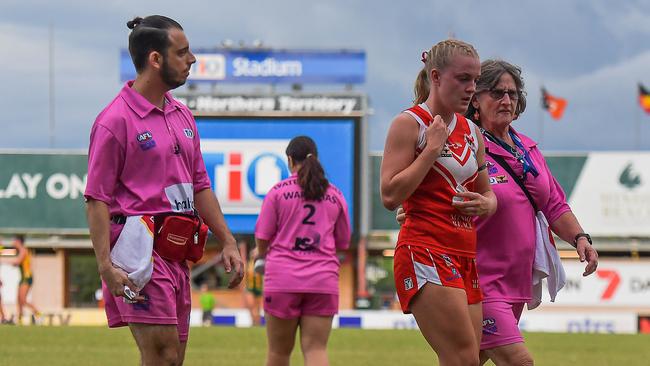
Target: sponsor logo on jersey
{"points": [[470, 141], [499, 179], [447, 260], [146, 140], [188, 133], [142, 305], [489, 326], [491, 168], [454, 275], [462, 221], [180, 197]]}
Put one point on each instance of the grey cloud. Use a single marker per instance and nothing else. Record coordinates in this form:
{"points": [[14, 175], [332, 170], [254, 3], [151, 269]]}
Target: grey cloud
{"points": [[591, 52]]}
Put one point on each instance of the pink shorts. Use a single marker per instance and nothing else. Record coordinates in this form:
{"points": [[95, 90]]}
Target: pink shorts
{"points": [[168, 299], [501, 324], [291, 305]]}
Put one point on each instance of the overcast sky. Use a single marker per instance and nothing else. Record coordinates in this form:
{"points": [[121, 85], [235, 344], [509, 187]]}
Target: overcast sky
{"points": [[592, 53]]}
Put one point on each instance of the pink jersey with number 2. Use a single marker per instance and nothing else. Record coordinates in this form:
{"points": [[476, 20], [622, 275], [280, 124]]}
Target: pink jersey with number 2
{"points": [[303, 238]]}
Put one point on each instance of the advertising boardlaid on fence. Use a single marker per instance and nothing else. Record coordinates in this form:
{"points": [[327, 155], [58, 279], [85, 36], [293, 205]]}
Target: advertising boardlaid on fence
{"points": [[42, 192], [623, 283], [609, 192]]}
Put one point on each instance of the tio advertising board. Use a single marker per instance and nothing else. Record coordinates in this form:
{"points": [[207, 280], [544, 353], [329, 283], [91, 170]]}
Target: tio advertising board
{"points": [[245, 157]]}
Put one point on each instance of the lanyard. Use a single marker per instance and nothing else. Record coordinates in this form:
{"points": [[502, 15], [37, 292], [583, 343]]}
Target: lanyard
{"points": [[521, 154]]}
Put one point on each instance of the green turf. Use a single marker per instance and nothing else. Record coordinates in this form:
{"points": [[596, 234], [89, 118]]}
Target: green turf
{"points": [[72, 346]]}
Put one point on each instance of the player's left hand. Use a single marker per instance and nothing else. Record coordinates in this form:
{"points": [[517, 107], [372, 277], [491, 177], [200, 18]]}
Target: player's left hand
{"points": [[233, 264], [400, 216], [475, 204], [588, 254]]}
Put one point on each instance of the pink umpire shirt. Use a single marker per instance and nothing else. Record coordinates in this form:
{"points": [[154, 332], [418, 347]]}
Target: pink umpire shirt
{"points": [[142, 160], [506, 240], [303, 237]]}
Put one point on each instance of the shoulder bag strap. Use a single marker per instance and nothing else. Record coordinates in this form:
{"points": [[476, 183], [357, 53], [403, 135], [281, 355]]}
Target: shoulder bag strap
{"points": [[499, 159]]}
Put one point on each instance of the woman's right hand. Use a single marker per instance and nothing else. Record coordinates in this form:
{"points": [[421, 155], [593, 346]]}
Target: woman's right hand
{"points": [[436, 135], [400, 216]]}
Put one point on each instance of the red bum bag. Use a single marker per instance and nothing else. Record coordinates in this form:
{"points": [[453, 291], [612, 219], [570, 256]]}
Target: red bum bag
{"points": [[179, 237]]}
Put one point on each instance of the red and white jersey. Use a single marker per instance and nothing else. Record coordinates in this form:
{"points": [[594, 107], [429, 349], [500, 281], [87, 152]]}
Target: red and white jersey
{"points": [[430, 218]]}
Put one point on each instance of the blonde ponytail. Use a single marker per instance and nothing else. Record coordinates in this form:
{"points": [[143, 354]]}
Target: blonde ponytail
{"points": [[438, 57]]}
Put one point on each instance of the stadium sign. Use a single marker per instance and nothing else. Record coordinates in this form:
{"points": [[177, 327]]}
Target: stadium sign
{"points": [[269, 66], [307, 104]]}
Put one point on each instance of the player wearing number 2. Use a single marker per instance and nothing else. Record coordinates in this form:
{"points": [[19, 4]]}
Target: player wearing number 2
{"points": [[303, 221]]}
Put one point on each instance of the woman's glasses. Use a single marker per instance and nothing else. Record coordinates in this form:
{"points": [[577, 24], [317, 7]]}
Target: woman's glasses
{"points": [[498, 94]]}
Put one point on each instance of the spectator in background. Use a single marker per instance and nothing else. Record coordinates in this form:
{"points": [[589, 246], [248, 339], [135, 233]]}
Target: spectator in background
{"points": [[24, 263], [208, 302], [253, 289], [303, 221], [3, 318]]}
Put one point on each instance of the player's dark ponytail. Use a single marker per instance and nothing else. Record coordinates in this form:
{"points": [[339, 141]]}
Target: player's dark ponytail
{"points": [[311, 176]]}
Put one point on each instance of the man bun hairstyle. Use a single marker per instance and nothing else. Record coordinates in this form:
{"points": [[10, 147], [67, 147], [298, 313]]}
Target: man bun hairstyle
{"points": [[149, 34], [133, 23], [311, 176]]}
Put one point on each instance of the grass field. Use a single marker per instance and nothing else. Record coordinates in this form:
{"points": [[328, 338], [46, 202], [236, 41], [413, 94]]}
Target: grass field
{"points": [[72, 346]]}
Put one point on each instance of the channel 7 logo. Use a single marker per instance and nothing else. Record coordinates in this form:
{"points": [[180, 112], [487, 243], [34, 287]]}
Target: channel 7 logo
{"points": [[243, 171]]}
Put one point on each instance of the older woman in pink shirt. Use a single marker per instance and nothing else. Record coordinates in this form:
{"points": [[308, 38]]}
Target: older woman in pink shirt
{"points": [[303, 221]]}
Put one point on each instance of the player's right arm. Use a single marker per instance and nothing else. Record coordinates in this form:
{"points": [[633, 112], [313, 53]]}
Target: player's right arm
{"points": [[103, 173], [99, 225], [22, 253], [400, 173]]}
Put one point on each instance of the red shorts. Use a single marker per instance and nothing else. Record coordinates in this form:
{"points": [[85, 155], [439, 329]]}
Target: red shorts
{"points": [[414, 266]]}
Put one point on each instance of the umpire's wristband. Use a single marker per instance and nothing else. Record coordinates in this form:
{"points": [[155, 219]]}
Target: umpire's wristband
{"points": [[581, 235]]}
